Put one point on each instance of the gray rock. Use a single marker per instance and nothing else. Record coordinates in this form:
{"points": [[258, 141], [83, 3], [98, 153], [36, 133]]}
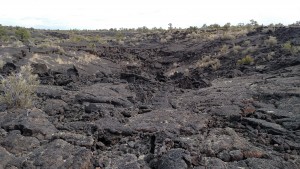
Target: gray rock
{"points": [[75, 139], [17, 144], [173, 159], [225, 156], [5, 157], [54, 106], [213, 163], [59, 154], [236, 155], [292, 123], [39, 68], [52, 92], [226, 110], [270, 164], [226, 139], [106, 93], [31, 123], [264, 124]]}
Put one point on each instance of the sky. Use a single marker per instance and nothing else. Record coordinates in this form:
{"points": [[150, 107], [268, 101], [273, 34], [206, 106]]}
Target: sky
{"points": [[97, 14]]}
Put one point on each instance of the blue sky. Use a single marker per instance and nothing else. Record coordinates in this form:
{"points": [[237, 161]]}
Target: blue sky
{"points": [[96, 14]]}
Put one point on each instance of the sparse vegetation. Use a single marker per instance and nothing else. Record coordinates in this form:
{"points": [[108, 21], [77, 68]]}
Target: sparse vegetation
{"points": [[22, 34], [208, 61], [2, 63], [228, 36], [17, 44], [247, 60], [18, 89], [247, 43], [272, 41], [193, 35], [270, 28], [2, 32], [119, 36], [249, 49], [288, 47], [236, 49], [224, 49], [77, 38], [270, 56], [182, 81]]}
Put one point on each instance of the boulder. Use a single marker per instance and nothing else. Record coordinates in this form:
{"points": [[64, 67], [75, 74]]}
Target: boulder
{"points": [[17, 144], [59, 154], [32, 122]]}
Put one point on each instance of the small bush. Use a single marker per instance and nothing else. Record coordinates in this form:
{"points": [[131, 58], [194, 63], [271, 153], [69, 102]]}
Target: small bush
{"points": [[287, 46], [249, 49], [270, 56], [247, 43], [2, 63], [18, 90], [247, 60], [77, 38], [224, 49], [119, 36], [17, 44], [272, 41], [207, 61], [2, 32], [228, 36], [22, 34], [56, 48], [236, 49]]}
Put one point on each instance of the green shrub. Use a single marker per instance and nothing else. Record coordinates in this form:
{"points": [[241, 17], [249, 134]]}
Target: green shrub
{"points": [[2, 32], [247, 60], [77, 38], [287, 46], [236, 49], [18, 90], [272, 41], [119, 36], [22, 34]]}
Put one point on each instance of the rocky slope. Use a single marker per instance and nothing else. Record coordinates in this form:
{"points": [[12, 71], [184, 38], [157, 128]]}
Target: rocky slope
{"points": [[150, 106]]}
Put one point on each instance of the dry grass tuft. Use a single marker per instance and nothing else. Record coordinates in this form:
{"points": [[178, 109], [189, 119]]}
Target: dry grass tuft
{"points": [[2, 63], [208, 61], [18, 90], [247, 60], [236, 49], [272, 41]]}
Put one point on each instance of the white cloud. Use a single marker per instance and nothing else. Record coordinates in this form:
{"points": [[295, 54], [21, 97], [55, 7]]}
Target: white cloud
{"points": [[95, 14]]}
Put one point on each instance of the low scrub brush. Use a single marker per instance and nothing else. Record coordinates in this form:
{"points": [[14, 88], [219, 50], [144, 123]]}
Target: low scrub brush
{"points": [[247, 60], [18, 89]]}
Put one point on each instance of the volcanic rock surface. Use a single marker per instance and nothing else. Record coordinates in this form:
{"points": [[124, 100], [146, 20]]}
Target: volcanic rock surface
{"points": [[150, 107]]}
